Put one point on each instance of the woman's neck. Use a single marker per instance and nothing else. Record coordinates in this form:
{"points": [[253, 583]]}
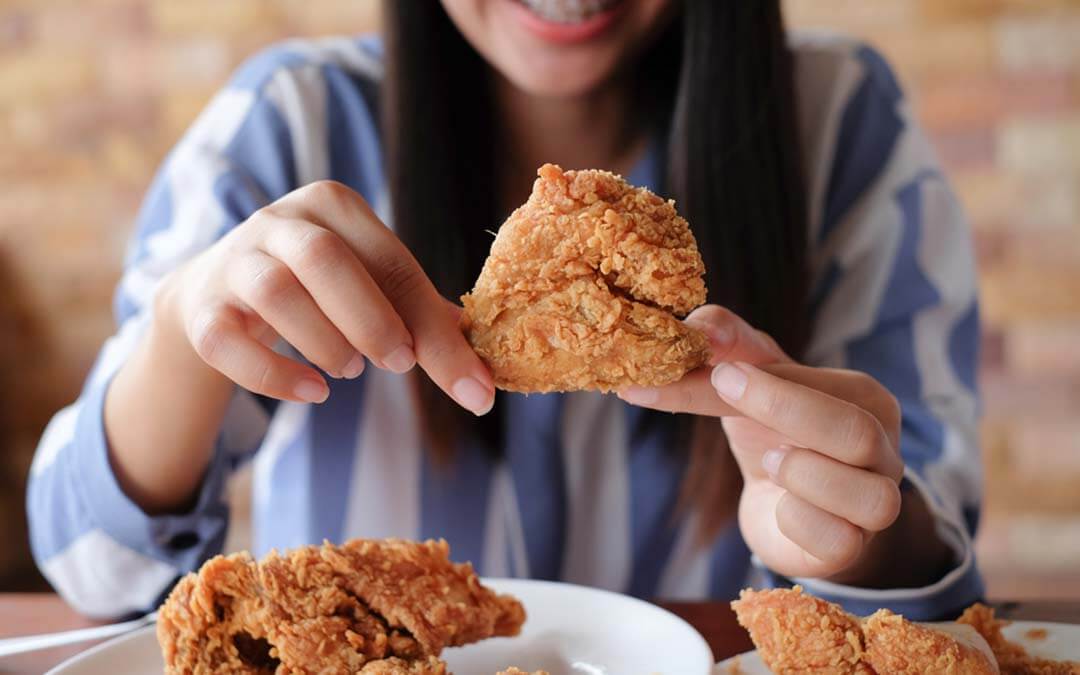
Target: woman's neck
{"points": [[599, 130]]}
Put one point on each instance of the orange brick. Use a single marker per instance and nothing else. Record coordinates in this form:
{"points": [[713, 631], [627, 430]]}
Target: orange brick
{"points": [[78, 23], [954, 49], [212, 17], [988, 195], [936, 11], [850, 15], [1013, 292], [946, 103], [44, 73], [351, 17]]}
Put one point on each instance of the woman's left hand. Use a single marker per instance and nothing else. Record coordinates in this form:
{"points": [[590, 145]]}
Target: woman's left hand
{"points": [[818, 447]]}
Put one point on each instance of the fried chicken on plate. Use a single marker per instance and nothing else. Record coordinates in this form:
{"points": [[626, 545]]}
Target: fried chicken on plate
{"points": [[386, 607], [1012, 658], [797, 633], [896, 645], [583, 287]]}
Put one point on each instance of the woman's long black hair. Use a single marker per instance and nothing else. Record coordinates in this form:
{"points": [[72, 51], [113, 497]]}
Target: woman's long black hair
{"points": [[722, 78]]}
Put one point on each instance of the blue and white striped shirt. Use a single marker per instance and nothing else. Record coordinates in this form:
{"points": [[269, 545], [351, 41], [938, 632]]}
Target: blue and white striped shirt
{"points": [[580, 493]]}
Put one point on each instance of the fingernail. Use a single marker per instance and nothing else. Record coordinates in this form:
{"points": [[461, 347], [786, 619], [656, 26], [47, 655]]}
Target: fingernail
{"points": [[770, 461], [353, 368], [474, 396], [312, 391], [729, 381], [640, 395], [401, 360]]}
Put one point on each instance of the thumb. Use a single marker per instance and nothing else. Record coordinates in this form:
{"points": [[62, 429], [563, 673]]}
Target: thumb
{"points": [[732, 339]]}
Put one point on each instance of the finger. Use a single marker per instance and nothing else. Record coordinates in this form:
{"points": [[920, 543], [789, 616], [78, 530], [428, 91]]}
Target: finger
{"points": [[863, 498], [219, 338], [693, 394], [732, 339], [343, 290], [850, 385], [827, 538], [271, 290], [813, 418], [440, 347]]}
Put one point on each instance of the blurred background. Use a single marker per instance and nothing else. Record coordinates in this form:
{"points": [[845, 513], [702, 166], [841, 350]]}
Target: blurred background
{"points": [[93, 93]]}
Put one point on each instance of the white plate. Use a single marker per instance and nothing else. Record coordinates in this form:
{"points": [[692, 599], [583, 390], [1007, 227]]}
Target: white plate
{"points": [[571, 630], [1062, 642]]}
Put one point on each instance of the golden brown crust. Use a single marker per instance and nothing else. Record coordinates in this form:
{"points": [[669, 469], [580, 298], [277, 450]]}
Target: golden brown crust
{"points": [[798, 633], [896, 645], [330, 609], [582, 286], [1012, 658]]}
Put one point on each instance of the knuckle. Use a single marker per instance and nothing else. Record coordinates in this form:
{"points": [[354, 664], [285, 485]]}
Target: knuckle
{"points": [[263, 377], [863, 438], [843, 543], [433, 351], [774, 405], [873, 396], [316, 247], [401, 278], [884, 504], [889, 405], [208, 333], [270, 285], [327, 193]]}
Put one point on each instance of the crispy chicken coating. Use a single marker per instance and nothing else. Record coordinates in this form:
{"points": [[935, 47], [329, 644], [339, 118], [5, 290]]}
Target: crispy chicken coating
{"points": [[582, 288], [797, 633], [1012, 658], [896, 645], [384, 607]]}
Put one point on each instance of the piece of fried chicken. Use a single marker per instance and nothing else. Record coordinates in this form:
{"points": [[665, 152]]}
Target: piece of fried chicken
{"points": [[378, 607], [896, 645], [1012, 658], [798, 633], [582, 288]]}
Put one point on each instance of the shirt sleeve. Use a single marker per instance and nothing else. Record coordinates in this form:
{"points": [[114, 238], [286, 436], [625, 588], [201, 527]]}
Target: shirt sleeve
{"points": [[94, 545], [895, 296]]}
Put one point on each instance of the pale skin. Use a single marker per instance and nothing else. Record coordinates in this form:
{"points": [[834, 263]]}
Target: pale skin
{"points": [[818, 448]]}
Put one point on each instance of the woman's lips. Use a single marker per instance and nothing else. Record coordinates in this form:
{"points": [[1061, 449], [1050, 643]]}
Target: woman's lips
{"points": [[567, 30]]}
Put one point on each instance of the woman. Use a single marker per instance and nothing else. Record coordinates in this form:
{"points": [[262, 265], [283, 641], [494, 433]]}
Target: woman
{"points": [[843, 323]]}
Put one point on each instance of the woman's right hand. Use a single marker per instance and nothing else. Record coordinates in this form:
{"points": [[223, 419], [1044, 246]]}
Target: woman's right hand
{"points": [[318, 269]]}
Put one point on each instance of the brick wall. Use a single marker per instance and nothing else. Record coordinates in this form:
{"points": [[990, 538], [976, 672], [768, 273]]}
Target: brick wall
{"points": [[997, 84], [94, 92]]}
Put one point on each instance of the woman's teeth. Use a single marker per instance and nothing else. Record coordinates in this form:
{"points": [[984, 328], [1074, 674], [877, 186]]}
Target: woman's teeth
{"points": [[568, 11]]}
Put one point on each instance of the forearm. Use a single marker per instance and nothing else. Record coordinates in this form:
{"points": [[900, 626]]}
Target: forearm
{"points": [[907, 554], [163, 411]]}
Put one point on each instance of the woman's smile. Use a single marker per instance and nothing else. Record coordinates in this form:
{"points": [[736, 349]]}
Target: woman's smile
{"points": [[567, 21]]}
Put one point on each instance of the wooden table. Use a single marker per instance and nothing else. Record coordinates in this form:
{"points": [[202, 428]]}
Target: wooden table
{"points": [[25, 614]]}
